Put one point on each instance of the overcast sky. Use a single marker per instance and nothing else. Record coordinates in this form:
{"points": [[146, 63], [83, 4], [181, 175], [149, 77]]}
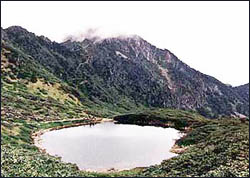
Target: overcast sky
{"points": [[212, 37]]}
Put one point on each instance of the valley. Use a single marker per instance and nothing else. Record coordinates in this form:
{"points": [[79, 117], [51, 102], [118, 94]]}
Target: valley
{"points": [[129, 81]]}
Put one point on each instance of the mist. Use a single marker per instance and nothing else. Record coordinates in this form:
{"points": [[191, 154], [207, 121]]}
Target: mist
{"points": [[96, 35]]}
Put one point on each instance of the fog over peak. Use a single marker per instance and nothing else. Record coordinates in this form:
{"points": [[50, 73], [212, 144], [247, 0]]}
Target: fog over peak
{"points": [[97, 35]]}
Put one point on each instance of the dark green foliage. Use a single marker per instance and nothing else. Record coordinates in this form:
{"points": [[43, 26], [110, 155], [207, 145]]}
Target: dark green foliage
{"points": [[108, 84], [215, 147], [126, 72]]}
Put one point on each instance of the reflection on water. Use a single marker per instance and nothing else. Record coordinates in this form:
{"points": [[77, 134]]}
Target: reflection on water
{"points": [[107, 145]]}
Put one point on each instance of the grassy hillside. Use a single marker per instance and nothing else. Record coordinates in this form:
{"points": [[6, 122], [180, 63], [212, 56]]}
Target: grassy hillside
{"points": [[211, 148], [33, 98], [123, 74]]}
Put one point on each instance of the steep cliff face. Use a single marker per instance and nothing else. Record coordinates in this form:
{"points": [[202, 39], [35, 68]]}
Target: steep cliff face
{"points": [[129, 71]]}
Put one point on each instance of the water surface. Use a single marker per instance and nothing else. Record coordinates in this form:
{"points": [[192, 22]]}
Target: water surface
{"points": [[107, 145]]}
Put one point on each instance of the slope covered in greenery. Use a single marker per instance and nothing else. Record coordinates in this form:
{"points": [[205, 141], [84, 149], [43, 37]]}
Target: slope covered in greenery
{"points": [[128, 73], [30, 103], [49, 85], [33, 99], [210, 148]]}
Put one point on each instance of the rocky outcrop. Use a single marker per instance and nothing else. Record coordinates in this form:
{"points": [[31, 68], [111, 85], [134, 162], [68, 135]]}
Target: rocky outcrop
{"points": [[243, 91], [130, 72]]}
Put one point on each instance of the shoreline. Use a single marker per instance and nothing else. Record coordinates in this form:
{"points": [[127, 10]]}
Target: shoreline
{"points": [[36, 135], [36, 138]]}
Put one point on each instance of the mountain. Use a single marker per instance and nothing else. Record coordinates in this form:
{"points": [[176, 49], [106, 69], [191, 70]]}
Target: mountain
{"points": [[125, 72], [243, 91]]}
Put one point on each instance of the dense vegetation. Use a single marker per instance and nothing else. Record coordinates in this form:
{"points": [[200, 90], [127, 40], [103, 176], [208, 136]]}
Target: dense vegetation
{"points": [[213, 148], [127, 73], [41, 89], [33, 99]]}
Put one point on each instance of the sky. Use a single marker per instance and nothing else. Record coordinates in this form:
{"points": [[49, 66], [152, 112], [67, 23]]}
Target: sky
{"points": [[211, 37]]}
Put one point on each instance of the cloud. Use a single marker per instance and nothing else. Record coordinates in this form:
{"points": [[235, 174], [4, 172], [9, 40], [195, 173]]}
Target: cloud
{"points": [[90, 33], [96, 35]]}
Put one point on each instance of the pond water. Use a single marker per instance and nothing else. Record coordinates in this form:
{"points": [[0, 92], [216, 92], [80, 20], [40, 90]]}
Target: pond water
{"points": [[108, 145]]}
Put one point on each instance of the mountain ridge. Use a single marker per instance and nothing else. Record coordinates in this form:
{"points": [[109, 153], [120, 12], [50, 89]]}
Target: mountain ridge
{"points": [[126, 70]]}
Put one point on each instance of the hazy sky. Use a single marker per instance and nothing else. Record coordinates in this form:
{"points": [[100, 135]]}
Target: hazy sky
{"points": [[212, 37]]}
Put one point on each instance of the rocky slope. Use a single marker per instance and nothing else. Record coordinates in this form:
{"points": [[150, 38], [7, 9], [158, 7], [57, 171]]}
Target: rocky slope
{"points": [[126, 72], [46, 85], [243, 91]]}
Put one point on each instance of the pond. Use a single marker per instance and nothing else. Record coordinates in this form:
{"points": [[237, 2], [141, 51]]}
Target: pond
{"points": [[108, 145]]}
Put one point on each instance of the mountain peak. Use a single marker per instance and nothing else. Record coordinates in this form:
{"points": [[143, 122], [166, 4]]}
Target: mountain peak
{"points": [[134, 68], [17, 29]]}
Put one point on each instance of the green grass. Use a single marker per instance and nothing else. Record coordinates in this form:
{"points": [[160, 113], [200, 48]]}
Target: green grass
{"points": [[215, 147], [20, 158], [23, 112], [218, 147]]}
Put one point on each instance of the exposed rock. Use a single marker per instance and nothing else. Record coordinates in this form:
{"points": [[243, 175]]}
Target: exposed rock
{"points": [[128, 72]]}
